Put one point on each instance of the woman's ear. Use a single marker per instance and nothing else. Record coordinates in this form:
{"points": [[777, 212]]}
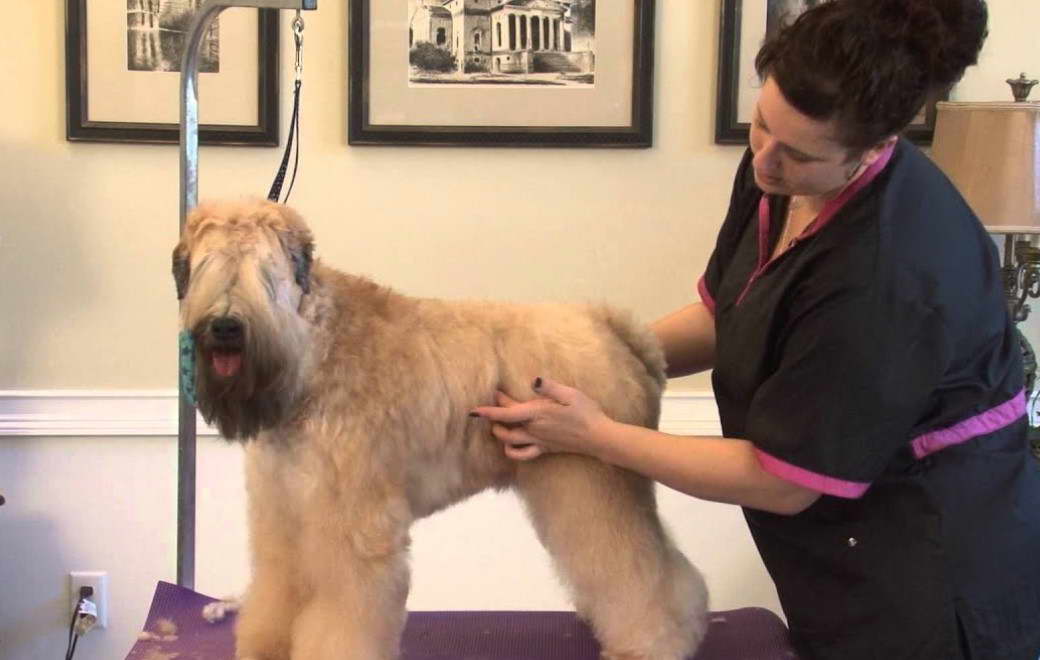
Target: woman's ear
{"points": [[872, 154]]}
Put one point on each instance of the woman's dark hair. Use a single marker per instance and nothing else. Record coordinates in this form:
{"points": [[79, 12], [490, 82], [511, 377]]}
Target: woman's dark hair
{"points": [[872, 64]]}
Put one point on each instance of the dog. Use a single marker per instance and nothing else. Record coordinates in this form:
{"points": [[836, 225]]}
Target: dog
{"points": [[352, 401]]}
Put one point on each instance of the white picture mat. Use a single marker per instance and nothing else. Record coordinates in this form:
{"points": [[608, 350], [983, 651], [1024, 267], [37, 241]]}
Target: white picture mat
{"points": [[752, 32], [392, 101], [116, 94]]}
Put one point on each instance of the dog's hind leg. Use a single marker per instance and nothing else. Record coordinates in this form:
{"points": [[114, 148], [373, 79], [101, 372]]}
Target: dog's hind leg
{"points": [[641, 596]]}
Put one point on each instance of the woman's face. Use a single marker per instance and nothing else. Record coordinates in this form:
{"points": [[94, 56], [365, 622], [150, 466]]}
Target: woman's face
{"points": [[795, 154]]}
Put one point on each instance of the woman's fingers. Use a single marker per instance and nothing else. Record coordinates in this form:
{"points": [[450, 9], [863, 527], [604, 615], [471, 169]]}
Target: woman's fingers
{"points": [[515, 414], [517, 443], [523, 411], [523, 452], [504, 400], [512, 435], [556, 391]]}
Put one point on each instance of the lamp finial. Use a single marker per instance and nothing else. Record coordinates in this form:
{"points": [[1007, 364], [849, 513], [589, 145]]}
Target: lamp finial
{"points": [[1020, 87]]}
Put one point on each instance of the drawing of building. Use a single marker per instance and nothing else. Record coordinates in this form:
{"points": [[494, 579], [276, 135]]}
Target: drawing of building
{"points": [[502, 36]]}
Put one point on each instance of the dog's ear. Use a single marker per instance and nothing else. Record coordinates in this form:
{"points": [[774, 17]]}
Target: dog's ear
{"points": [[181, 270], [302, 257], [298, 243]]}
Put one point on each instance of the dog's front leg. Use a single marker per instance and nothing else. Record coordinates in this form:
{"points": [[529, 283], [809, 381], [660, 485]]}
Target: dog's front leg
{"points": [[272, 601], [357, 571]]}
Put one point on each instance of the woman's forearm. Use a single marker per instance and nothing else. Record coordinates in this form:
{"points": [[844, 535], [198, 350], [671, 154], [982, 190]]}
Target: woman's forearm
{"points": [[709, 467], [687, 336]]}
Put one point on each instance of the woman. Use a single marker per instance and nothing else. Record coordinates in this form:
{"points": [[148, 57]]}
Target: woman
{"points": [[867, 376]]}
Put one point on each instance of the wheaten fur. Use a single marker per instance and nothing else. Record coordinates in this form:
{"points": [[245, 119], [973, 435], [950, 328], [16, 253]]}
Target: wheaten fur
{"points": [[352, 401]]}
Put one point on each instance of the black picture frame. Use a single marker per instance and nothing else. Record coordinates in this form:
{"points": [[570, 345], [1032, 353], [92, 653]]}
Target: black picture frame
{"points": [[638, 134], [80, 128], [728, 128]]}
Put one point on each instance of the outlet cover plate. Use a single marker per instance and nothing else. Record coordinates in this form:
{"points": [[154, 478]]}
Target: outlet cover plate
{"points": [[99, 581]]}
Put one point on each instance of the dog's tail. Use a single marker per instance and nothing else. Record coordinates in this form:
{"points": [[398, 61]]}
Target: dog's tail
{"points": [[639, 339]]}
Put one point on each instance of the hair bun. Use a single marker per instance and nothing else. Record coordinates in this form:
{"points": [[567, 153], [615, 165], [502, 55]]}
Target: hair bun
{"points": [[945, 35], [871, 65]]}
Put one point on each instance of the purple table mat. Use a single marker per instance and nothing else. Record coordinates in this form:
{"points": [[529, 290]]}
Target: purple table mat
{"points": [[175, 626]]}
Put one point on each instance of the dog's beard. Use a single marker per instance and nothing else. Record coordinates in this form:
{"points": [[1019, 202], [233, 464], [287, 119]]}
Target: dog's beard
{"points": [[248, 391]]}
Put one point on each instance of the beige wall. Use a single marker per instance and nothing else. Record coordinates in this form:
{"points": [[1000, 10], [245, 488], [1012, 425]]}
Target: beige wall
{"points": [[87, 299], [87, 228]]}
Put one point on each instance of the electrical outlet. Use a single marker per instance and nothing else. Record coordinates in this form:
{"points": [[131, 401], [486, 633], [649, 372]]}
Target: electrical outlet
{"points": [[98, 580]]}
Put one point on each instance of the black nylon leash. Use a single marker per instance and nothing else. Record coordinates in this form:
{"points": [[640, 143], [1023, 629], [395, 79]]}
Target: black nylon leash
{"points": [[294, 124], [279, 179]]}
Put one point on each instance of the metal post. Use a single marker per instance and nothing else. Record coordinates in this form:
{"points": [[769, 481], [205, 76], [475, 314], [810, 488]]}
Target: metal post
{"points": [[186, 434]]}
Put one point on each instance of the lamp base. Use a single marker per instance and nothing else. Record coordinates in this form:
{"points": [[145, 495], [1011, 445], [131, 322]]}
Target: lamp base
{"points": [[1029, 367]]}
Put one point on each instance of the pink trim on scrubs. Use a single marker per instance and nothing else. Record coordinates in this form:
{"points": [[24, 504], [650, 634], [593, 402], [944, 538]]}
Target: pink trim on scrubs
{"points": [[706, 297], [825, 216], [821, 483], [984, 423]]}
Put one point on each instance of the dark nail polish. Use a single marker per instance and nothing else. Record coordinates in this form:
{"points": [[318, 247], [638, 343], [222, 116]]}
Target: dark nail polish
{"points": [[537, 383], [473, 414]]}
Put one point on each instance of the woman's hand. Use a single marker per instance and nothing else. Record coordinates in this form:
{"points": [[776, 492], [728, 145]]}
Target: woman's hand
{"points": [[563, 419]]}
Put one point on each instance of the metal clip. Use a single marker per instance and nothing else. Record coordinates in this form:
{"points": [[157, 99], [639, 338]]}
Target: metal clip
{"points": [[297, 28]]}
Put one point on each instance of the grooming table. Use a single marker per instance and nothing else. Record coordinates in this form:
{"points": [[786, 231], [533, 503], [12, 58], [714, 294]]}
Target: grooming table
{"points": [[175, 628]]}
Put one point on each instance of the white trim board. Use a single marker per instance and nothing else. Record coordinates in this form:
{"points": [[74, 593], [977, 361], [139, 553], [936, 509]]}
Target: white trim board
{"points": [[106, 413]]}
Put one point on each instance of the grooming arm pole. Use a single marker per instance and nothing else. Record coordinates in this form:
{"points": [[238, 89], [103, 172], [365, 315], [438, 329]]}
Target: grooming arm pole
{"points": [[189, 199]]}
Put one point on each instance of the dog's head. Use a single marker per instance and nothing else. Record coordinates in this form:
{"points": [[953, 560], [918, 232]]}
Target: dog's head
{"points": [[242, 271]]}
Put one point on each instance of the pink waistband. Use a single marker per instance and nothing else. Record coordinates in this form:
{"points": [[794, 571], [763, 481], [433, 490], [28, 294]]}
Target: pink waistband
{"points": [[986, 422], [989, 421]]}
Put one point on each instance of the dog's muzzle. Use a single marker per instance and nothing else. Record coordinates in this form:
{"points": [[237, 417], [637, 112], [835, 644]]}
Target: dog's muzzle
{"points": [[226, 335], [227, 332]]}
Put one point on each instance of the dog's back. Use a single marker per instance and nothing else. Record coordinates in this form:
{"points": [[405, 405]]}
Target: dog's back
{"points": [[466, 350]]}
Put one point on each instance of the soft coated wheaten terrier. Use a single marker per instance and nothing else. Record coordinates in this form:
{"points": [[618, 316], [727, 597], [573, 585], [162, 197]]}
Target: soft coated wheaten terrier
{"points": [[352, 403]]}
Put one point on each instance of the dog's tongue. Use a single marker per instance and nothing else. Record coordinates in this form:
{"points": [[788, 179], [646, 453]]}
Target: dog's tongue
{"points": [[227, 364]]}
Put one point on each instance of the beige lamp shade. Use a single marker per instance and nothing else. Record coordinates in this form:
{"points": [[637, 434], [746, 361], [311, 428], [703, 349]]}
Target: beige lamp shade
{"points": [[991, 152]]}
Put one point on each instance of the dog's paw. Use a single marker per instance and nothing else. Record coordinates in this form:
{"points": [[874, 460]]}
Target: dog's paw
{"points": [[218, 610]]}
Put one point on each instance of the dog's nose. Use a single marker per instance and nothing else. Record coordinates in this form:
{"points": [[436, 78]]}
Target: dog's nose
{"points": [[226, 329]]}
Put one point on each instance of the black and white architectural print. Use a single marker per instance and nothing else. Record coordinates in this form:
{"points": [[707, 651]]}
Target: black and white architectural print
{"points": [[495, 42], [782, 12], [157, 31]]}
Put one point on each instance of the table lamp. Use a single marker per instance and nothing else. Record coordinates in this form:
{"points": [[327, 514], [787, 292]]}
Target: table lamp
{"points": [[991, 152]]}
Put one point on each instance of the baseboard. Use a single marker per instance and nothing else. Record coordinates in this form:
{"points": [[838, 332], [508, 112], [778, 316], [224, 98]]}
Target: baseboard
{"points": [[91, 413], [107, 413]]}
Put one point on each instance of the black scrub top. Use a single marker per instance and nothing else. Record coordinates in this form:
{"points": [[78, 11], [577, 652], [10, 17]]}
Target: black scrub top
{"points": [[875, 362]]}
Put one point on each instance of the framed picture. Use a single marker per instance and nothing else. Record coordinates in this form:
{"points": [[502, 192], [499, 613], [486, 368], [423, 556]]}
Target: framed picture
{"points": [[744, 27], [122, 73], [575, 73]]}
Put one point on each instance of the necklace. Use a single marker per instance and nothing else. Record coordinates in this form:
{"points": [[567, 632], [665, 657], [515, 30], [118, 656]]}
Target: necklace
{"points": [[788, 236], [785, 240], [782, 244]]}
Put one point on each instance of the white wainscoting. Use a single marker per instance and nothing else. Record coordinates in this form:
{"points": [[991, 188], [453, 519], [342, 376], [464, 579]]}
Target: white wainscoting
{"points": [[87, 413]]}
